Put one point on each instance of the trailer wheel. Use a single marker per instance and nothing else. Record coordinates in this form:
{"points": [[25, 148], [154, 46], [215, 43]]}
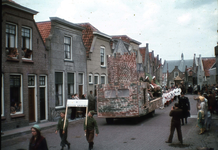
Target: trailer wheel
{"points": [[109, 120], [153, 113]]}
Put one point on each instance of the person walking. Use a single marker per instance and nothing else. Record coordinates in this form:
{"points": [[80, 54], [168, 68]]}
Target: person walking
{"points": [[184, 104], [37, 141], [89, 129], [176, 115], [63, 131]]}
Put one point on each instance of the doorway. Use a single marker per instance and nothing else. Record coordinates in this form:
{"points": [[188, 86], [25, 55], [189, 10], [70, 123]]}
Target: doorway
{"points": [[31, 99]]}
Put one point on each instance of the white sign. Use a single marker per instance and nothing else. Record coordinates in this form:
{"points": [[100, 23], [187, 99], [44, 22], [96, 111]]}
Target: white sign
{"points": [[77, 103]]}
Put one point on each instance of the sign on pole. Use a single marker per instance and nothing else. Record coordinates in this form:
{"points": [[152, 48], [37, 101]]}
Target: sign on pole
{"points": [[76, 103]]}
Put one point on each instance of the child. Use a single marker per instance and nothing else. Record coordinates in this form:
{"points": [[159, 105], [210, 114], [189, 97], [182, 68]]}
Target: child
{"points": [[89, 129], [63, 132]]}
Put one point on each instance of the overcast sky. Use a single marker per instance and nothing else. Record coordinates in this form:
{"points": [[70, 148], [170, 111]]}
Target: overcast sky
{"points": [[171, 27]]}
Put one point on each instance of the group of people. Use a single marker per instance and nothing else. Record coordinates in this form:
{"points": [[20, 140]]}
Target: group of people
{"points": [[91, 105], [152, 86], [15, 107], [38, 142], [206, 103], [205, 106]]}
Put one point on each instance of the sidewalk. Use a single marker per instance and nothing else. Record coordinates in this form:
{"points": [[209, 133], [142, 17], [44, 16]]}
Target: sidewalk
{"points": [[26, 130]]}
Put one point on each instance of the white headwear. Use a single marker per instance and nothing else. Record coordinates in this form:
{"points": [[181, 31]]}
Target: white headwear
{"points": [[146, 77], [153, 77]]}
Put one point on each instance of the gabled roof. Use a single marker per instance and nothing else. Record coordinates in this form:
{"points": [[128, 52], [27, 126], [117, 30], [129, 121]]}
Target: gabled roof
{"points": [[44, 29], [207, 64], [15, 5], [180, 63], [120, 47], [125, 38], [88, 35]]}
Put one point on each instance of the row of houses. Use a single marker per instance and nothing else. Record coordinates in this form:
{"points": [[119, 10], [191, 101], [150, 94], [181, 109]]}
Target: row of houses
{"points": [[197, 71], [44, 63]]}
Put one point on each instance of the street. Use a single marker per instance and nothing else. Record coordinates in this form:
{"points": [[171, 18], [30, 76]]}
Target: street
{"points": [[145, 133]]}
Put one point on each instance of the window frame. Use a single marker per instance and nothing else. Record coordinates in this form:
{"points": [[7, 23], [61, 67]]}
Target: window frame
{"points": [[96, 75], [91, 75], [82, 82], [66, 36], [74, 83], [30, 44], [21, 92], [104, 57], [104, 79], [63, 94], [16, 35]]}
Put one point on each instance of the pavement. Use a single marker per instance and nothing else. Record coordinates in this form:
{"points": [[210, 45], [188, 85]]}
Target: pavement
{"points": [[27, 129]]}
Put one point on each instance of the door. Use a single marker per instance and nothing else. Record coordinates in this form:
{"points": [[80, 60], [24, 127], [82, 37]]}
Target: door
{"points": [[80, 91], [42, 103], [31, 96]]}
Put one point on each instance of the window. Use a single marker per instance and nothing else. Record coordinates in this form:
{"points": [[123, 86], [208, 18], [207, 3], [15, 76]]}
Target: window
{"points": [[31, 81], [10, 36], [80, 78], [70, 82], [2, 99], [42, 80], [102, 55], [96, 79], [90, 79], [16, 94], [59, 89], [11, 41], [26, 44], [103, 79], [67, 47], [176, 73]]}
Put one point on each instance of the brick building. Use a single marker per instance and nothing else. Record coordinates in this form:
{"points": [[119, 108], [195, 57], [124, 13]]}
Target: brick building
{"points": [[24, 68], [67, 61]]}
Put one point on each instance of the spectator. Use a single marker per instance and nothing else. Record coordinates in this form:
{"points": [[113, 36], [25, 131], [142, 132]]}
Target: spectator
{"points": [[37, 142], [184, 104]]}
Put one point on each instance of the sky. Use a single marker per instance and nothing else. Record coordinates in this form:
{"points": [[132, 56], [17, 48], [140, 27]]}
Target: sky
{"points": [[170, 27]]}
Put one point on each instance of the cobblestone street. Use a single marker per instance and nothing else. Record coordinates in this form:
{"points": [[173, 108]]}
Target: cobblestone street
{"points": [[146, 133]]}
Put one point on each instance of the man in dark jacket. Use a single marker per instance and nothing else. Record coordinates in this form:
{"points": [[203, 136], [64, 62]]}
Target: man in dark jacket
{"points": [[89, 129], [184, 104], [176, 115]]}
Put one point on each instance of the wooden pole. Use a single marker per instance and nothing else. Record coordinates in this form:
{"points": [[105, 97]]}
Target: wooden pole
{"points": [[65, 117], [86, 119]]}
